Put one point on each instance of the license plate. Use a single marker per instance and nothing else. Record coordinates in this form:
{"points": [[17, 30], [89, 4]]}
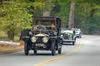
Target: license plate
{"points": [[39, 45]]}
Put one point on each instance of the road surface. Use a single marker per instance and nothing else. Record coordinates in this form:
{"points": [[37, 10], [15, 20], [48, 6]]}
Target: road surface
{"points": [[86, 52]]}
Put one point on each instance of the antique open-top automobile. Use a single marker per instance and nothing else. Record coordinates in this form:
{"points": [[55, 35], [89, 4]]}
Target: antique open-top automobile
{"points": [[44, 35], [68, 37]]}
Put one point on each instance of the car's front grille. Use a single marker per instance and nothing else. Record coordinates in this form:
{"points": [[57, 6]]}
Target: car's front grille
{"points": [[66, 37], [39, 40]]}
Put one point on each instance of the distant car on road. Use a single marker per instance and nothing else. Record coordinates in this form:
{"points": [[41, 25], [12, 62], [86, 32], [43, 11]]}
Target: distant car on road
{"points": [[78, 32], [68, 37]]}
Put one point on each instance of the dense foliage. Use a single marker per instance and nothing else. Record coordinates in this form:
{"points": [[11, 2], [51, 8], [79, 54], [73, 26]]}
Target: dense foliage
{"points": [[16, 15]]}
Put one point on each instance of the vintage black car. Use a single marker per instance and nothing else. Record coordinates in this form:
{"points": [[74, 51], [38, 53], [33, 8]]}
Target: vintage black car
{"points": [[44, 35]]}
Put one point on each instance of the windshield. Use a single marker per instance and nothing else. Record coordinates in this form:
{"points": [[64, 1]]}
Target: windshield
{"points": [[43, 22], [49, 24]]}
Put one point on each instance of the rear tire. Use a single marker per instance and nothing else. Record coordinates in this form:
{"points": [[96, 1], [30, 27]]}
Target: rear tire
{"points": [[80, 36]]}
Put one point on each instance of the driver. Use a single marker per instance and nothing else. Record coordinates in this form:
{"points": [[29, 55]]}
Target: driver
{"points": [[53, 27]]}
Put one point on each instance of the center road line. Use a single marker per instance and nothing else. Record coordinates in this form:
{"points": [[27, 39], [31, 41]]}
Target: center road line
{"points": [[58, 58]]}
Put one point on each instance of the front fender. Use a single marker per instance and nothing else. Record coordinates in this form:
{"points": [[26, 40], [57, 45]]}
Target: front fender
{"points": [[25, 35]]}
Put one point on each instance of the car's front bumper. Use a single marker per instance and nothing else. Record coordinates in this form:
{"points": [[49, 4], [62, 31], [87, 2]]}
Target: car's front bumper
{"points": [[78, 35], [68, 41]]}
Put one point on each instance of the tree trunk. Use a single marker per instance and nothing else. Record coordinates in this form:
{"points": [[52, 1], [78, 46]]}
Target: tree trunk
{"points": [[92, 12], [11, 35], [11, 32], [1, 1], [71, 15]]}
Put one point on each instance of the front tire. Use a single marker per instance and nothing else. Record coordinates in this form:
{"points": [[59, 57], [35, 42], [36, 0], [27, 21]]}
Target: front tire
{"points": [[35, 51], [73, 43], [26, 49], [59, 51], [60, 47], [53, 51]]}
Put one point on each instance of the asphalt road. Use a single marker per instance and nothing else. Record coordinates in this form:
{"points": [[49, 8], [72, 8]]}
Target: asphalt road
{"points": [[86, 52]]}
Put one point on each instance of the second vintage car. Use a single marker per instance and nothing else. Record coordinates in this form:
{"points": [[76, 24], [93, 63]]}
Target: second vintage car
{"points": [[68, 37], [44, 35], [78, 32]]}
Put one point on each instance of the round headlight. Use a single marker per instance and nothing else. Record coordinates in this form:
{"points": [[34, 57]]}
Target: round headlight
{"points": [[45, 39], [30, 33], [33, 39]]}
